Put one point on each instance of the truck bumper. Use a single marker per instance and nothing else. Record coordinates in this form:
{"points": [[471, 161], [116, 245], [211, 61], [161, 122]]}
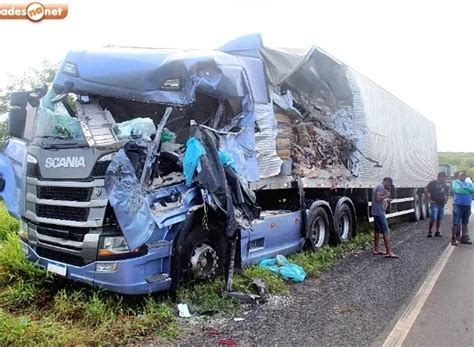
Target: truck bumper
{"points": [[135, 276]]}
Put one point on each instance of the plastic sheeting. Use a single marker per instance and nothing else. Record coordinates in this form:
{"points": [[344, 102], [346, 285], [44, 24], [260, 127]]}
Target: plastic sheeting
{"points": [[191, 161], [281, 266], [137, 128], [54, 121]]}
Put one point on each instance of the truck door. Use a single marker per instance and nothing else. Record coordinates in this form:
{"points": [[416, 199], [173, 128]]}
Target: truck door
{"points": [[21, 121]]}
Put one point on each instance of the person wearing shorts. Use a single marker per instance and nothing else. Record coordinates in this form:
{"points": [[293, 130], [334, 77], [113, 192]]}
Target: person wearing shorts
{"points": [[462, 191], [437, 193], [380, 194]]}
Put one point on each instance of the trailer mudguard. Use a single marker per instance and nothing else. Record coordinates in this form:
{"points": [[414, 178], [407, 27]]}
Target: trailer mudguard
{"points": [[12, 176]]}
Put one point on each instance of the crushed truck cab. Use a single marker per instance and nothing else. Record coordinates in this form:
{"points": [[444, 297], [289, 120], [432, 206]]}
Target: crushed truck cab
{"points": [[140, 169]]}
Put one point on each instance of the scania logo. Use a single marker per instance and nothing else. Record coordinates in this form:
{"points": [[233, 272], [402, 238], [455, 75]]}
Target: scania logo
{"points": [[64, 162]]}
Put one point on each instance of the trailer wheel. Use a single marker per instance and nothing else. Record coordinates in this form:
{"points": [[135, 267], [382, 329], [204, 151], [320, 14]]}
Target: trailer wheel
{"points": [[416, 215], [203, 255], [423, 206], [319, 227], [344, 222]]}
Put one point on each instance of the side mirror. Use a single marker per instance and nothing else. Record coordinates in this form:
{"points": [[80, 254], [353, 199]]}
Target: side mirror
{"points": [[17, 122]]}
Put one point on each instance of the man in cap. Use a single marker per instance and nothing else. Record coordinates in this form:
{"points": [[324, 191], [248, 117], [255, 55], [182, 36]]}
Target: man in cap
{"points": [[380, 196]]}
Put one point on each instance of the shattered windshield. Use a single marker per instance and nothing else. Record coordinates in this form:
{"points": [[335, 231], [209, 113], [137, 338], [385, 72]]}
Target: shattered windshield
{"points": [[54, 122]]}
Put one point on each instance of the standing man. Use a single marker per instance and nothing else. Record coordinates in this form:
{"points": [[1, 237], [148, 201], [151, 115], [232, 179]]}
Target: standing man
{"points": [[380, 194], [437, 192], [462, 191]]}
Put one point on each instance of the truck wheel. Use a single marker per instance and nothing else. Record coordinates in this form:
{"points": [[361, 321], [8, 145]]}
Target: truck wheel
{"points": [[416, 215], [344, 222], [423, 206], [319, 227], [203, 255]]}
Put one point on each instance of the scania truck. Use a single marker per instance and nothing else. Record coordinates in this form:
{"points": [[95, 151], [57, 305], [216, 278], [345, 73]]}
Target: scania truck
{"points": [[140, 168]]}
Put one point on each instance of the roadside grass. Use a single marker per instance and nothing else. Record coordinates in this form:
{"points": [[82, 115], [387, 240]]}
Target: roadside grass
{"points": [[39, 309], [206, 298]]}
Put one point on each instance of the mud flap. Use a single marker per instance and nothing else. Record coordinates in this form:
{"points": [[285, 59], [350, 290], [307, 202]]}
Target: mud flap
{"points": [[12, 175]]}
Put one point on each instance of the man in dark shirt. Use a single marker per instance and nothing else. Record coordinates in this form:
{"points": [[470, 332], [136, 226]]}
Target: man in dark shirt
{"points": [[437, 193]]}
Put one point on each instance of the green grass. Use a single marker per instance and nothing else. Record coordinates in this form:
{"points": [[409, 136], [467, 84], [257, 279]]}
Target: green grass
{"points": [[37, 309]]}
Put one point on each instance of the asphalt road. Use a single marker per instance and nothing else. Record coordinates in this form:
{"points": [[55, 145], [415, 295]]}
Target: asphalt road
{"points": [[447, 317], [357, 302]]}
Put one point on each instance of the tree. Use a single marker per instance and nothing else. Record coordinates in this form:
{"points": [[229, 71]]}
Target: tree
{"points": [[30, 79]]}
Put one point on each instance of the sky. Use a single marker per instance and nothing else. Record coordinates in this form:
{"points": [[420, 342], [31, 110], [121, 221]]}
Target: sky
{"points": [[420, 51]]}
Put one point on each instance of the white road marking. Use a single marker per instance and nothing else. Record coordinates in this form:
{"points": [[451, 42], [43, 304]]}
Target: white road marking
{"points": [[404, 324]]}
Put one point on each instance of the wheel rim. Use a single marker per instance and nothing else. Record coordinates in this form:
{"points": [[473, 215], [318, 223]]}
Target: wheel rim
{"points": [[319, 232], [344, 226], [204, 261]]}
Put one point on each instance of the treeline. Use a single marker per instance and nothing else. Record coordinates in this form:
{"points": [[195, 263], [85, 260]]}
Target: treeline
{"points": [[463, 160]]}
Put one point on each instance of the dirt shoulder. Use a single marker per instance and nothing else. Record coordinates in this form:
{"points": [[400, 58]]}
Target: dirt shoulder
{"points": [[354, 303]]}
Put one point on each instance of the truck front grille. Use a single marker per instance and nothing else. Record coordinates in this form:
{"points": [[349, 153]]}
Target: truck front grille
{"points": [[64, 193], [78, 214], [60, 256], [67, 233]]}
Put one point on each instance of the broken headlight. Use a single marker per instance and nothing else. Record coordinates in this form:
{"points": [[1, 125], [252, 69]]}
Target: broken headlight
{"points": [[171, 84]]}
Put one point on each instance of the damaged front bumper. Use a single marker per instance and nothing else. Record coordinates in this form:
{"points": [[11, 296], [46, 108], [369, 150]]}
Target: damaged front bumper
{"points": [[135, 276]]}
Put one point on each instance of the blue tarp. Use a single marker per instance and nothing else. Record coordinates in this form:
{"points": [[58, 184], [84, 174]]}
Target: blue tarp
{"points": [[194, 150], [281, 266]]}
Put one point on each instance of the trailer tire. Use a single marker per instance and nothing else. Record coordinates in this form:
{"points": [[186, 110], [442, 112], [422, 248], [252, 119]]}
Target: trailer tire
{"points": [[344, 222], [423, 206], [203, 255], [319, 227], [416, 215]]}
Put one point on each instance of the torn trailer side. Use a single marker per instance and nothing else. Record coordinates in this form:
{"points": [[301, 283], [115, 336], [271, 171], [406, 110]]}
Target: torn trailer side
{"points": [[140, 169]]}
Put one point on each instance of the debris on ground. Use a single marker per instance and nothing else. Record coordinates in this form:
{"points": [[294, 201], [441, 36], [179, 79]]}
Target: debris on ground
{"points": [[184, 311], [281, 266]]}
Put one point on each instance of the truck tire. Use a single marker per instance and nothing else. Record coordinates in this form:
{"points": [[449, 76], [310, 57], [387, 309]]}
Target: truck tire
{"points": [[423, 206], [416, 215], [203, 255], [319, 227], [344, 222]]}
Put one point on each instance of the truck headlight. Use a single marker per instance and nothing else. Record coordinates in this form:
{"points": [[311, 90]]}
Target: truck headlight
{"points": [[113, 245], [23, 231], [107, 157]]}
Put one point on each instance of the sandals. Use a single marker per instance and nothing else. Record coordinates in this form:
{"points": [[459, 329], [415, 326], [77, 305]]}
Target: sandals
{"points": [[392, 256], [454, 242], [378, 253]]}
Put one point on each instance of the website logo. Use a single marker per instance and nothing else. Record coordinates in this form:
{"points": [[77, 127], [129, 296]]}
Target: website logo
{"points": [[34, 11]]}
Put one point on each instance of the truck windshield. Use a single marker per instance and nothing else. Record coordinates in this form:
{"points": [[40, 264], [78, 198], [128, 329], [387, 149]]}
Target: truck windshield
{"points": [[55, 124]]}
